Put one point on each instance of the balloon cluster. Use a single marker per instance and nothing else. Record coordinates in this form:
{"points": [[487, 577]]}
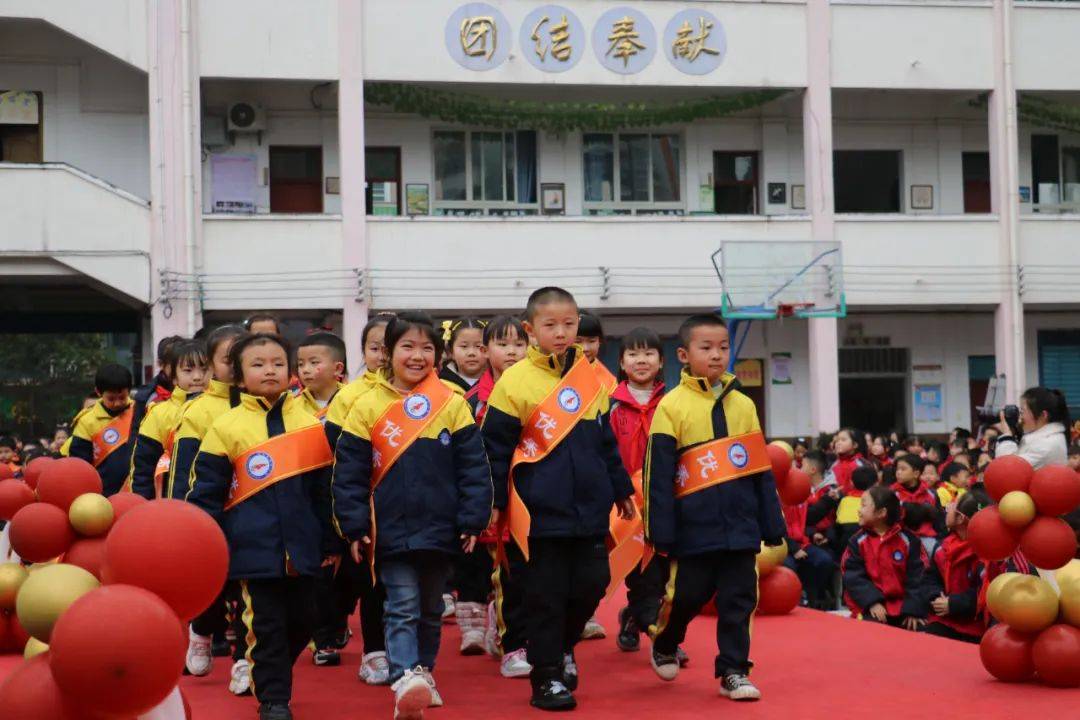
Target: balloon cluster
{"points": [[779, 588], [100, 613], [1038, 630]]}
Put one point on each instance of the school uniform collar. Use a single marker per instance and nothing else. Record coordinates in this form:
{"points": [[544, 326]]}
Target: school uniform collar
{"points": [[216, 388], [261, 404], [553, 364], [701, 385], [179, 395], [106, 414], [306, 393], [623, 395]]}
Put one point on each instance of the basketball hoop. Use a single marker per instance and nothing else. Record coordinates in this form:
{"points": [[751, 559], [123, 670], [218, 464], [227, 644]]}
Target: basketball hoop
{"points": [[786, 310]]}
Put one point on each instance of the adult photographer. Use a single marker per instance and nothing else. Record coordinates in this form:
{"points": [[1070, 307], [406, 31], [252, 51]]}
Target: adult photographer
{"points": [[1044, 417]]}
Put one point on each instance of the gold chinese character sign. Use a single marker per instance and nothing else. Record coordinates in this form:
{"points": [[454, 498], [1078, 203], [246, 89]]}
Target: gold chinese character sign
{"points": [[552, 38], [478, 36], [697, 41], [690, 46], [624, 40]]}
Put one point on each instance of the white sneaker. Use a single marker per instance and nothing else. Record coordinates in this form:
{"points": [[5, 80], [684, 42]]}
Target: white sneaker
{"points": [[491, 632], [436, 698], [448, 606], [240, 678], [514, 665], [593, 630], [471, 620], [375, 669], [739, 687], [199, 657], [666, 667], [411, 695]]}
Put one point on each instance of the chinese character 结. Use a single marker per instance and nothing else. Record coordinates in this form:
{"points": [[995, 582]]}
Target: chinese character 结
{"points": [[559, 34], [690, 46], [479, 36], [624, 40]]}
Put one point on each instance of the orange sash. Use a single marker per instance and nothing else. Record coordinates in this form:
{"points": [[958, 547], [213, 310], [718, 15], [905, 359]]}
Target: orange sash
{"points": [[113, 436], [720, 461], [626, 542], [607, 380], [550, 421], [279, 458], [161, 470]]}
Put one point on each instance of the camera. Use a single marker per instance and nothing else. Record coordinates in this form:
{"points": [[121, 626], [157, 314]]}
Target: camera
{"points": [[992, 408]]}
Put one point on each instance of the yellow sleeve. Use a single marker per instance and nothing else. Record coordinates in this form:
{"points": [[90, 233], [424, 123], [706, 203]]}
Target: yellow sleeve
{"points": [[663, 423], [82, 429], [501, 399], [213, 443], [461, 416], [357, 422]]}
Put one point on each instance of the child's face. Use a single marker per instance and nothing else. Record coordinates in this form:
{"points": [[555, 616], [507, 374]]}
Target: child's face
{"points": [[554, 327], [843, 443], [878, 448], [60, 436], [869, 515], [502, 352], [906, 475], [7, 454], [591, 346], [955, 521], [929, 474], [264, 326], [265, 370], [962, 479], [468, 351], [219, 363], [933, 455], [800, 450], [1074, 462], [707, 353], [374, 350], [641, 365], [413, 358], [191, 376], [115, 400], [316, 367]]}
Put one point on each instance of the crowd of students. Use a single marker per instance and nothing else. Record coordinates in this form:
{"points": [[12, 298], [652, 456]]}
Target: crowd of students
{"points": [[480, 470]]}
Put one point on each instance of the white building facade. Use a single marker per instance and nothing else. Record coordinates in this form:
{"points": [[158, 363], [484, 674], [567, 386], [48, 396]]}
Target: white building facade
{"points": [[173, 163]]}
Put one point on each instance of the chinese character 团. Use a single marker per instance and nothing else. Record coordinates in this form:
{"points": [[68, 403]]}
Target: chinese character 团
{"points": [[546, 424], [624, 40], [560, 39], [391, 432], [529, 447], [690, 46], [708, 464], [479, 36]]}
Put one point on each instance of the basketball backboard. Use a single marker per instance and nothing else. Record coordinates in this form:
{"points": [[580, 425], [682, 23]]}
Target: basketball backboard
{"points": [[765, 279]]}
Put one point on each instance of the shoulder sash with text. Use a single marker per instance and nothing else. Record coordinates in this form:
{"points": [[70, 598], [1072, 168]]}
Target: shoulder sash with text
{"points": [[720, 461], [278, 458], [113, 436]]}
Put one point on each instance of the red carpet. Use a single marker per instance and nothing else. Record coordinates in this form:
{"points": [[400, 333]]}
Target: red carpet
{"points": [[809, 665]]}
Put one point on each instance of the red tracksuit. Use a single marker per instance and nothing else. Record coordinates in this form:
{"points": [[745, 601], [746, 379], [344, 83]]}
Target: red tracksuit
{"points": [[843, 468], [921, 495], [630, 422], [886, 569], [956, 570], [795, 519]]}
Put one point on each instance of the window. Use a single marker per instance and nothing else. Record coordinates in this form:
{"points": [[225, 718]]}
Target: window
{"points": [[1070, 165], [628, 172], [866, 181], [1045, 174], [736, 183], [976, 168], [20, 126], [485, 172], [382, 167], [1059, 364], [296, 179]]}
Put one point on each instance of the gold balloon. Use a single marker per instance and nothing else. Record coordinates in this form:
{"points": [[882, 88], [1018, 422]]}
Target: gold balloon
{"points": [[786, 446], [1070, 600], [1026, 603], [993, 591], [12, 576], [91, 515], [47, 593], [1070, 571], [34, 647], [1017, 508], [770, 558]]}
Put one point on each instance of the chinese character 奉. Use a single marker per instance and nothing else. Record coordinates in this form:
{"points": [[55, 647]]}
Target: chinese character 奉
{"points": [[690, 46], [624, 40], [559, 33], [479, 36]]}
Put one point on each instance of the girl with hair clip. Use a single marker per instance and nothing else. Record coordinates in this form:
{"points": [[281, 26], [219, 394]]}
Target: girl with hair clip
{"points": [[849, 455], [1044, 419], [466, 359]]}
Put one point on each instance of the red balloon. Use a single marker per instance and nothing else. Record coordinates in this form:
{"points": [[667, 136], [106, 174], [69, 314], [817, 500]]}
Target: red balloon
{"points": [[124, 501], [990, 536], [87, 553], [1006, 654], [128, 677], [14, 496], [19, 636], [1048, 542], [32, 470], [1055, 489], [6, 471], [65, 479], [1007, 473], [781, 462], [41, 532], [1056, 654], [170, 548], [6, 640], [779, 592], [30, 692], [795, 489]]}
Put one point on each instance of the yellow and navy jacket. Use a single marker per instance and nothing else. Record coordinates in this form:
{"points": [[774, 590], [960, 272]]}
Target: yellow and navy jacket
{"points": [[160, 422], [65, 448], [312, 405], [571, 491], [439, 488], [195, 420], [734, 515], [337, 412], [287, 521], [154, 392], [113, 469]]}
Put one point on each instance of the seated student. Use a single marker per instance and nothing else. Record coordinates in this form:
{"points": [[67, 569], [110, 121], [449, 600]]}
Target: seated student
{"points": [[958, 446], [913, 446], [911, 491], [879, 452], [262, 473], [848, 457], [822, 503], [930, 477], [103, 436], [800, 448], [955, 481], [954, 576], [848, 510], [189, 373], [814, 565], [9, 455], [320, 364], [883, 565]]}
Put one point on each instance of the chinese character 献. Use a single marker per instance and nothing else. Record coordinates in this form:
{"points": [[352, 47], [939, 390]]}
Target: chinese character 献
{"points": [[391, 432], [624, 40], [545, 425], [479, 36], [690, 46], [708, 464], [560, 39]]}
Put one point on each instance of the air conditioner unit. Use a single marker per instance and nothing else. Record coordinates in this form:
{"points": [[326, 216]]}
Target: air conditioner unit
{"points": [[246, 117]]}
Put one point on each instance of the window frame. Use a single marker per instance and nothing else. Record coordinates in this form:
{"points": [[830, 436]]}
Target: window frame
{"points": [[472, 206], [632, 207]]}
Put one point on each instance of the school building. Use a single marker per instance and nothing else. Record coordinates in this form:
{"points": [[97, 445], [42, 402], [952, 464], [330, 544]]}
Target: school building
{"points": [[167, 164]]}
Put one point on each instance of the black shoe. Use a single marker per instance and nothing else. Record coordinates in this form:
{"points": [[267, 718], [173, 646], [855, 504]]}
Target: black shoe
{"points": [[684, 659], [629, 637], [343, 639], [326, 657], [275, 711], [570, 672], [221, 648], [550, 695]]}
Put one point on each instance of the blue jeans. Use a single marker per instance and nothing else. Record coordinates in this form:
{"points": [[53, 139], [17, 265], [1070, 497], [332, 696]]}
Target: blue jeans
{"points": [[414, 584]]}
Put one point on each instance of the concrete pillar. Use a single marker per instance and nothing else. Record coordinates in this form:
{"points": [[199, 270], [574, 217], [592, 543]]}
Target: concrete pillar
{"points": [[1005, 201], [824, 387], [354, 248]]}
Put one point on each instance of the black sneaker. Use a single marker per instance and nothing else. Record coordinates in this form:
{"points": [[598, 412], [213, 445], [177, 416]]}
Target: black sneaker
{"points": [[739, 687], [221, 648], [629, 637], [275, 711], [551, 695], [343, 639], [326, 657], [683, 658], [570, 672]]}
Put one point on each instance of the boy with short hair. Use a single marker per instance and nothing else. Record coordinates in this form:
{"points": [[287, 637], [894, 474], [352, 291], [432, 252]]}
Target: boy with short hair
{"points": [[320, 364], [103, 436], [706, 441], [557, 475], [955, 480]]}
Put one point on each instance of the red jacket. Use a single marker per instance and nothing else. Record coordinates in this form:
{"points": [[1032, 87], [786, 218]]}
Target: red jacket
{"points": [[921, 495], [886, 569], [821, 509], [844, 467], [630, 422], [795, 519], [955, 570]]}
